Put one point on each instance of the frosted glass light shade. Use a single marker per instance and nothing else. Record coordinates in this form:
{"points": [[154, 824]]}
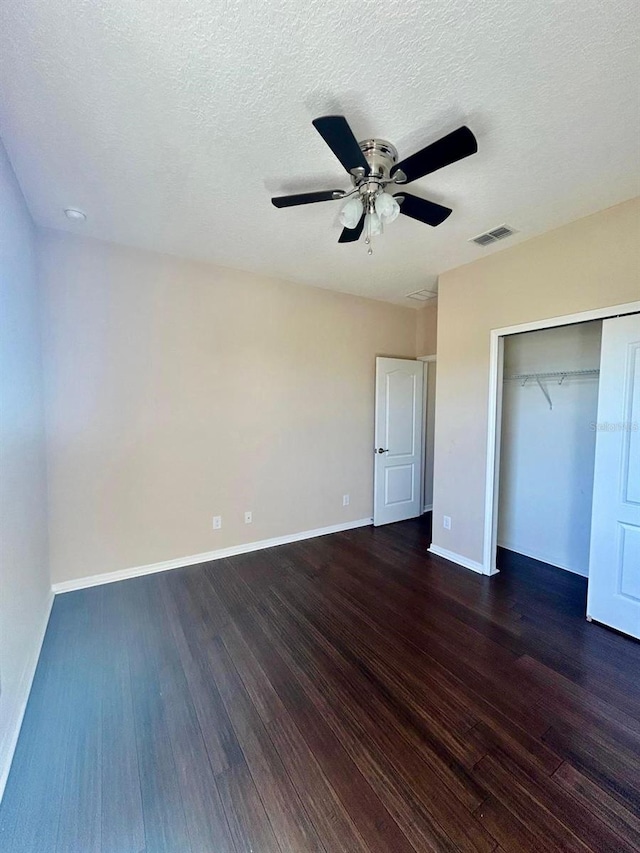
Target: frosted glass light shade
{"points": [[351, 213], [372, 225], [387, 207]]}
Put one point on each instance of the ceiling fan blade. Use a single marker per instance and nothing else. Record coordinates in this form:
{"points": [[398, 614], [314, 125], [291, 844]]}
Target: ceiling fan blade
{"points": [[352, 235], [339, 137], [424, 211], [307, 198], [452, 147]]}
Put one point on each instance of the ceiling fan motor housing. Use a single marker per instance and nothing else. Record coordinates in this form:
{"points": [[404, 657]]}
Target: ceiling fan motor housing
{"points": [[381, 157]]}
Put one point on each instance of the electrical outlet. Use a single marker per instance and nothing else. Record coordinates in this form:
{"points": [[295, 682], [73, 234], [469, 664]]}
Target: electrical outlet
{"points": [[345, 500], [248, 518], [217, 522], [446, 522]]}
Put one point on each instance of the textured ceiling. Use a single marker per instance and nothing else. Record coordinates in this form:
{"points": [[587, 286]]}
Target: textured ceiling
{"points": [[172, 123]]}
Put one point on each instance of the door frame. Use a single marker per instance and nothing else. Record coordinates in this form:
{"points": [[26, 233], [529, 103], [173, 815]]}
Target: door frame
{"points": [[427, 359], [494, 423]]}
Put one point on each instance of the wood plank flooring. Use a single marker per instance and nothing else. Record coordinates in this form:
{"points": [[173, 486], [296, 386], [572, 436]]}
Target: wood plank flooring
{"points": [[346, 694]]}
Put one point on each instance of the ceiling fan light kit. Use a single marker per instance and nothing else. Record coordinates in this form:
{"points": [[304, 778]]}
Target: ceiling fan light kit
{"points": [[373, 166]]}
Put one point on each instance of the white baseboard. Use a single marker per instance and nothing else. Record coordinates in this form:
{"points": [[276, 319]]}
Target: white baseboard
{"points": [[10, 739], [550, 560], [457, 558], [427, 508], [194, 559]]}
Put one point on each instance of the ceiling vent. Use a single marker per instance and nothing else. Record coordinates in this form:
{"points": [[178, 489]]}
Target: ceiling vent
{"points": [[422, 295], [494, 235]]}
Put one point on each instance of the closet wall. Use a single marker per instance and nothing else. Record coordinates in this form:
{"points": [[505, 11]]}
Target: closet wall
{"points": [[547, 455]]}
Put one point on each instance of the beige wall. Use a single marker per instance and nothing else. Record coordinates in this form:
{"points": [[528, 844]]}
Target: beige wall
{"points": [[589, 264], [24, 576], [177, 391], [427, 329]]}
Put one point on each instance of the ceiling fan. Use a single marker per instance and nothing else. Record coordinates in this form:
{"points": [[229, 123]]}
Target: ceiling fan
{"points": [[373, 165]]}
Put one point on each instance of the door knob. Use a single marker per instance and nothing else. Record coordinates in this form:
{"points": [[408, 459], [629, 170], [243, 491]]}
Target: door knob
{"points": [[382, 450]]}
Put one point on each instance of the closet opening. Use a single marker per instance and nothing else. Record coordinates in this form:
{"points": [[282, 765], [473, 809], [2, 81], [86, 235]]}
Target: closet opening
{"points": [[547, 447]]}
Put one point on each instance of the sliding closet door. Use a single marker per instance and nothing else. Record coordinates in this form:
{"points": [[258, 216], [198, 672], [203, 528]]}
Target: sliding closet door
{"points": [[614, 565]]}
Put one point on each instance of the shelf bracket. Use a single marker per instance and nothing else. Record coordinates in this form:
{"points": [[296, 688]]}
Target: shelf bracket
{"points": [[545, 392]]}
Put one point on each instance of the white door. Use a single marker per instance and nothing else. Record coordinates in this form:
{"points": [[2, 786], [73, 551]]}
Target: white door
{"points": [[398, 440], [614, 563]]}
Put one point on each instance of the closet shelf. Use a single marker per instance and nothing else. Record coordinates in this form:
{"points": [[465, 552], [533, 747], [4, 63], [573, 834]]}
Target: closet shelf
{"points": [[558, 375]]}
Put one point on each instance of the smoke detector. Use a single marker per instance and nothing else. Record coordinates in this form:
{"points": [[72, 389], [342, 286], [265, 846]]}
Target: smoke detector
{"points": [[74, 214]]}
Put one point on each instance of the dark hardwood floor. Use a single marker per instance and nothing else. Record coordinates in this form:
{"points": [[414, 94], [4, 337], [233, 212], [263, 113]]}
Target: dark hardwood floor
{"points": [[345, 694]]}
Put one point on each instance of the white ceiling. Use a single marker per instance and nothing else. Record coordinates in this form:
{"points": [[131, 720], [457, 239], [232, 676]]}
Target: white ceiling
{"points": [[172, 123]]}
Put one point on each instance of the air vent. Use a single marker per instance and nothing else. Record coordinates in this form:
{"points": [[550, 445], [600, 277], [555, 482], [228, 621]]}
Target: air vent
{"points": [[494, 235], [422, 295]]}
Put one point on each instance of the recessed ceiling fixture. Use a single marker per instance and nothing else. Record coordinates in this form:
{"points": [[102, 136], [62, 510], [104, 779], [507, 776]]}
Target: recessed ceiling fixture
{"points": [[372, 166], [74, 214], [494, 235], [422, 295]]}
